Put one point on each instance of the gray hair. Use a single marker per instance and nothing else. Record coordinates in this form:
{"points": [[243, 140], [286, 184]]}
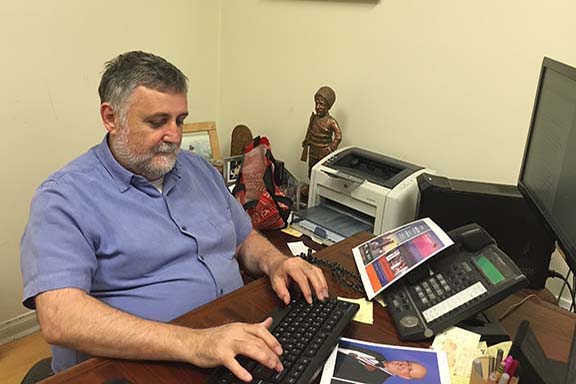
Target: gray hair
{"points": [[123, 74]]}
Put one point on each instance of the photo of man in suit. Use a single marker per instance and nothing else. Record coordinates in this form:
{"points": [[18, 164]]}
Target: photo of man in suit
{"points": [[358, 365]]}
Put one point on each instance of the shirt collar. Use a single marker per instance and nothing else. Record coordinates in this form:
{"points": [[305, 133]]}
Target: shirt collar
{"points": [[122, 177]]}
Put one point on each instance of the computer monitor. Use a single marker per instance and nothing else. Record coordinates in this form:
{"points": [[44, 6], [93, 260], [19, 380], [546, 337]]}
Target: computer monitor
{"points": [[548, 173]]}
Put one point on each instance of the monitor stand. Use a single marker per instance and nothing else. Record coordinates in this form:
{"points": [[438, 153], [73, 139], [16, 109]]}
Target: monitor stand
{"points": [[535, 367], [490, 330]]}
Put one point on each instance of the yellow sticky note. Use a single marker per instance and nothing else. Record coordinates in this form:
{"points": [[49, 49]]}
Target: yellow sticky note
{"points": [[366, 312], [292, 232]]}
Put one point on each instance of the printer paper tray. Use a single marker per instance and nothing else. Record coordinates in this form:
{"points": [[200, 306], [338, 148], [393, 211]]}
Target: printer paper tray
{"points": [[330, 222]]}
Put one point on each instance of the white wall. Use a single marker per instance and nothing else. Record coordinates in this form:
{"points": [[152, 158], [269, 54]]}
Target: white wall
{"points": [[444, 84], [53, 53]]}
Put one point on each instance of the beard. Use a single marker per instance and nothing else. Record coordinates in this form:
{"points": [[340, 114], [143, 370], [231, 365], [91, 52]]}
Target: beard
{"points": [[152, 164]]}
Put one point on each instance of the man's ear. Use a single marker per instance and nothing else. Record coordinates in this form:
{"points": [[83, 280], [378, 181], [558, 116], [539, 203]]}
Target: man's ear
{"points": [[109, 118]]}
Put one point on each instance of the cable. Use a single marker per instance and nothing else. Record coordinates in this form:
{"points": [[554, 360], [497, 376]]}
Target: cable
{"points": [[514, 307], [552, 273], [574, 287], [565, 284]]}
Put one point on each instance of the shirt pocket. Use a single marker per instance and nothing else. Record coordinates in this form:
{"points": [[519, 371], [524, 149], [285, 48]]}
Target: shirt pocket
{"points": [[219, 238]]}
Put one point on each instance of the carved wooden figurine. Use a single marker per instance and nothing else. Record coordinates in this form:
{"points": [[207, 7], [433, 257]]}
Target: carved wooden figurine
{"points": [[323, 135]]}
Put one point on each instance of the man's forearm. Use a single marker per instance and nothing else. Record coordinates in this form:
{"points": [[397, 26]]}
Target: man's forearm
{"points": [[71, 318], [257, 254]]}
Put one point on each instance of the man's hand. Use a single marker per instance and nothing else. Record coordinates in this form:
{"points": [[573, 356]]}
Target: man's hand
{"points": [[286, 269], [71, 318], [220, 346], [258, 255]]}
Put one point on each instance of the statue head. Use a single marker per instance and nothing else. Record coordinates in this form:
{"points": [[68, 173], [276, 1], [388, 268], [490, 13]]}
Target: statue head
{"points": [[324, 99]]}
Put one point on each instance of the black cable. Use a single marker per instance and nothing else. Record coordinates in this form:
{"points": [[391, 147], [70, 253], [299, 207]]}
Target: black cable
{"points": [[553, 273], [342, 275], [573, 293], [564, 285]]}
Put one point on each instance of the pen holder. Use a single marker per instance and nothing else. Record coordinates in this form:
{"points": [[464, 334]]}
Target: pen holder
{"points": [[480, 367]]}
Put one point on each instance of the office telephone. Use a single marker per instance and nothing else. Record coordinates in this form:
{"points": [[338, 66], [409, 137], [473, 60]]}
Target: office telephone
{"points": [[463, 280]]}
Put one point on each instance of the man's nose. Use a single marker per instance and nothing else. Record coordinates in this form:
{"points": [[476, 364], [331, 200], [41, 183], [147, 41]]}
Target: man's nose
{"points": [[172, 133]]}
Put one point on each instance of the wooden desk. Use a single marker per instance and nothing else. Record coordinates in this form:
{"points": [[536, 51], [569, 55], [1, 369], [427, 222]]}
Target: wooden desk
{"points": [[254, 301]]}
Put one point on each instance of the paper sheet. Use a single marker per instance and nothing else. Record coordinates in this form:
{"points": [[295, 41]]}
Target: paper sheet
{"points": [[298, 247], [435, 361], [387, 257], [366, 312], [461, 347]]}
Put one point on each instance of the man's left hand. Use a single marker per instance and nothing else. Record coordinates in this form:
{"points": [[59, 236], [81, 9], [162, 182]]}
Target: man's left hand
{"points": [[258, 255], [307, 276]]}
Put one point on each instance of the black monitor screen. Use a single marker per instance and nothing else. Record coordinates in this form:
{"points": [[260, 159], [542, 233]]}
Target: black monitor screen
{"points": [[548, 174]]}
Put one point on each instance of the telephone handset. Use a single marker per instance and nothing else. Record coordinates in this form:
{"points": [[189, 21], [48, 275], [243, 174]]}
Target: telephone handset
{"points": [[463, 280]]}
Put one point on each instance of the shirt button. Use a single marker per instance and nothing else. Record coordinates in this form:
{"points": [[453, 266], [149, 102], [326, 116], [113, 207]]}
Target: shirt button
{"points": [[184, 228]]}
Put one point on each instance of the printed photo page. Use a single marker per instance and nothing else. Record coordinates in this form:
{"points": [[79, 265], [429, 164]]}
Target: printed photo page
{"points": [[359, 362], [384, 259]]}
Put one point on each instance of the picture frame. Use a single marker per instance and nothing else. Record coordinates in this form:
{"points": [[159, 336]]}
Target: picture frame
{"points": [[231, 168], [292, 188], [202, 139]]}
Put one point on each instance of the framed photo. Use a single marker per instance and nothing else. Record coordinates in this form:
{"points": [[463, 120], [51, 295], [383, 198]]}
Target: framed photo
{"points": [[292, 188], [231, 168], [202, 139]]}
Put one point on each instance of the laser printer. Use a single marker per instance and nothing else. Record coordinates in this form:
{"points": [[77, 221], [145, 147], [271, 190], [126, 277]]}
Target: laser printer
{"points": [[353, 190]]}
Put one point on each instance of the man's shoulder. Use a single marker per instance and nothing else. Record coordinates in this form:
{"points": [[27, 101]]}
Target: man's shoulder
{"points": [[78, 171]]}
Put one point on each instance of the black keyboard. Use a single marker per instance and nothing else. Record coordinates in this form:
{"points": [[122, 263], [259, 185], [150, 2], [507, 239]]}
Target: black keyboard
{"points": [[307, 332]]}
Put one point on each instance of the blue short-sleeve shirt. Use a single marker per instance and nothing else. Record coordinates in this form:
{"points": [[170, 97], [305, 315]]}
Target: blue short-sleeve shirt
{"points": [[100, 228]]}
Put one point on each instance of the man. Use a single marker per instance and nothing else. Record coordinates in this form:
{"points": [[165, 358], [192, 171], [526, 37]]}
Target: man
{"points": [[323, 135], [370, 367], [135, 233]]}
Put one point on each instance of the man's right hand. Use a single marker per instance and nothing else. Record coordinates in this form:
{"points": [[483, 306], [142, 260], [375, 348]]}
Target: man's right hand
{"points": [[71, 318], [220, 346]]}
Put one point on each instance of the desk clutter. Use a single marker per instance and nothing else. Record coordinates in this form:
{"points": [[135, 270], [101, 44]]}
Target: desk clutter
{"points": [[464, 351]]}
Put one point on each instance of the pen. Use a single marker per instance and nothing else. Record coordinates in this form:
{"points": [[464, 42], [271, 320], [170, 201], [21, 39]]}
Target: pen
{"points": [[492, 378], [513, 368], [499, 371], [478, 367], [504, 378], [508, 363], [499, 356]]}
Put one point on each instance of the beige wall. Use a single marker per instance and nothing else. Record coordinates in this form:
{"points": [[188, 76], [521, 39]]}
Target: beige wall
{"points": [[444, 84], [52, 55]]}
